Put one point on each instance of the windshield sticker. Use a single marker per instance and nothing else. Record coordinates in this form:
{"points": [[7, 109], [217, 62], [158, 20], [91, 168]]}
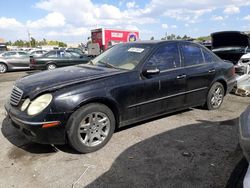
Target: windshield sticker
{"points": [[137, 50]]}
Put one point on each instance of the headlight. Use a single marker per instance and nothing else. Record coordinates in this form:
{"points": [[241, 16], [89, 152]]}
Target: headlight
{"points": [[25, 104], [39, 104]]}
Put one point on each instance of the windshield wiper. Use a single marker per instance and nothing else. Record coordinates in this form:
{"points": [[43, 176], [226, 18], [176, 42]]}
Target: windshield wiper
{"points": [[107, 64]]}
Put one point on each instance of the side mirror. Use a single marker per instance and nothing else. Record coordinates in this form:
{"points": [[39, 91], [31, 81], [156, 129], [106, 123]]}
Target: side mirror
{"points": [[148, 72]]}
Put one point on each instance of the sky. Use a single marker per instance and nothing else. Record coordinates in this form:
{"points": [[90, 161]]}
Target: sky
{"points": [[71, 20]]}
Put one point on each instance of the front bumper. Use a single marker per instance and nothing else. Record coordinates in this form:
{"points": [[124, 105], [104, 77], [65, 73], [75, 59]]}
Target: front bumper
{"points": [[31, 127]]}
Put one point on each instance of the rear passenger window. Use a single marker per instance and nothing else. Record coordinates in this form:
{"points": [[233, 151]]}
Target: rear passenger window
{"points": [[22, 53], [192, 55], [166, 57], [209, 58], [51, 54]]}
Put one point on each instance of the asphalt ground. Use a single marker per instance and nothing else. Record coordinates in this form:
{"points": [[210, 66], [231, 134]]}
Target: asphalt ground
{"points": [[191, 148]]}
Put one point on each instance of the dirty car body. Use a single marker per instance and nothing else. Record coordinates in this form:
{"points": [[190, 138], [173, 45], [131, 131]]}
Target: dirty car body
{"points": [[135, 81]]}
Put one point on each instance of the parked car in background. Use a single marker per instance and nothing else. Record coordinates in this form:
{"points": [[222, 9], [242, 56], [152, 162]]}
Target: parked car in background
{"points": [[230, 45], [244, 127], [128, 83], [37, 53], [77, 50], [14, 60], [57, 58]]}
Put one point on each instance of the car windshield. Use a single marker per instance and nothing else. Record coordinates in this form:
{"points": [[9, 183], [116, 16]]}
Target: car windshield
{"points": [[122, 56]]}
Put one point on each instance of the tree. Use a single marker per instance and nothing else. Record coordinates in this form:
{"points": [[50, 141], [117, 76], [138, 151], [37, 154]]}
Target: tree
{"points": [[203, 39], [33, 42], [62, 44], [178, 37], [9, 43], [171, 37], [19, 43], [185, 37]]}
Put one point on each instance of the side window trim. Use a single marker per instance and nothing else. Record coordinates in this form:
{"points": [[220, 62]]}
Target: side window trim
{"points": [[180, 55], [214, 57]]}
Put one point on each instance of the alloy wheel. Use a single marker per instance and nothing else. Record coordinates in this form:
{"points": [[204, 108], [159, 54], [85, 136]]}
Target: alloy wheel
{"points": [[3, 68], [217, 97], [94, 128], [51, 67]]}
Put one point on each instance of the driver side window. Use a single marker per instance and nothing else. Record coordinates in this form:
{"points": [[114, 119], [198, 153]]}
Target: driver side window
{"points": [[165, 58]]}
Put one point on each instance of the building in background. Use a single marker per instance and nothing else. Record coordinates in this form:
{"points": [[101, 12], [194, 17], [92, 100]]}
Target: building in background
{"points": [[3, 46]]}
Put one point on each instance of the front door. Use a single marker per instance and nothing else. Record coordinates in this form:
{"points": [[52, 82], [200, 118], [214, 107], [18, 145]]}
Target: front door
{"points": [[163, 91]]}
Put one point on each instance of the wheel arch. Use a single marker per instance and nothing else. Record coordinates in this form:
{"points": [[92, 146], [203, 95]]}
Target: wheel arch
{"points": [[224, 83], [107, 102], [2, 62], [50, 62]]}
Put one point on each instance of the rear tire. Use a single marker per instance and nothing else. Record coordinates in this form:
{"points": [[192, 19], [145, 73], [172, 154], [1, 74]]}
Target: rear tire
{"points": [[215, 96], [3, 68], [90, 127], [50, 66]]}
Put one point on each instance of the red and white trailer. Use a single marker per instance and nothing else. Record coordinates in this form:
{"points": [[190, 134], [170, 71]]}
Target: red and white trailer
{"points": [[109, 37]]}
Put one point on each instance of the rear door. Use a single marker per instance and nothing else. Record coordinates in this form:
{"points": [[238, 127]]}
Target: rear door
{"points": [[50, 57], [65, 58], [199, 73], [23, 59], [77, 58]]}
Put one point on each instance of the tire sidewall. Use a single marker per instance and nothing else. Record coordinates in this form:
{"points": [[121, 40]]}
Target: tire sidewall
{"points": [[210, 94], [6, 68], [74, 123]]}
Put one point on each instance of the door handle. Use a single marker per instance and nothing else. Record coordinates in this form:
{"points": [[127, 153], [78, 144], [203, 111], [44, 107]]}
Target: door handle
{"points": [[211, 71], [181, 76]]}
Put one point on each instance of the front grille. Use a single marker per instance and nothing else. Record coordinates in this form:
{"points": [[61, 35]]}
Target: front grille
{"points": [[16, 96]]}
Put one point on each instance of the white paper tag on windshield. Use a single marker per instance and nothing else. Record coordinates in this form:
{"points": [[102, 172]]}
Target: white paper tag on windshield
{"points": [[137, 50]]}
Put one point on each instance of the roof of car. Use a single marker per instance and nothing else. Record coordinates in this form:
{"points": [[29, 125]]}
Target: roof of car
{"points": [[153, 42], [15, 51]]}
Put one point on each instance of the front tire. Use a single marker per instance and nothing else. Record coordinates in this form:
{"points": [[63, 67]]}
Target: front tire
{"points": [[3, 68], [215, 96], [91, 127]]}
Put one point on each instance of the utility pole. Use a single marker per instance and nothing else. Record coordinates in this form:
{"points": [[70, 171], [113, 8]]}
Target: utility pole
{"points": [[29, 37]]}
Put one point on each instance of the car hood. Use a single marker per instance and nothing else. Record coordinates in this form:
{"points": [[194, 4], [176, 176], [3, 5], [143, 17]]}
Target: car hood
{"points": [[35, 84], [230, 39]]}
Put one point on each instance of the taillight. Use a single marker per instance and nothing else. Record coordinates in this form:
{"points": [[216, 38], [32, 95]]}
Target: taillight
{"points": [[232, 71], [32, 61]]}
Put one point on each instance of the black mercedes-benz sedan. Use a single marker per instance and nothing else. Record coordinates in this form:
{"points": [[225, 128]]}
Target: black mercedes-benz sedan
{"points": [[128, 83]]}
